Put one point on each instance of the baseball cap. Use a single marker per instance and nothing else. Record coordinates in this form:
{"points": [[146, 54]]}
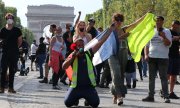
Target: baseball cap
{"points": [[91, 20], [160, 17], [176, 22]]}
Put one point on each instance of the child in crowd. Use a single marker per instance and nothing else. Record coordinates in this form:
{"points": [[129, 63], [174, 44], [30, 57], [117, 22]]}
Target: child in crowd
{"points": [[130, 72]]}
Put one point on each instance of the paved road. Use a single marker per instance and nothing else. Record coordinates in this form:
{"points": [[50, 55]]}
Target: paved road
{"points": [[32, 94]]}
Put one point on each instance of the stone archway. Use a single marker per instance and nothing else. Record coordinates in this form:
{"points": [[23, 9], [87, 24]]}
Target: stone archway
{"points": [[38, 17]]}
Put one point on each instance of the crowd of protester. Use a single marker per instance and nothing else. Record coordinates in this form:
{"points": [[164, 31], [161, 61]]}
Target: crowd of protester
{"points": [[160, 55]]}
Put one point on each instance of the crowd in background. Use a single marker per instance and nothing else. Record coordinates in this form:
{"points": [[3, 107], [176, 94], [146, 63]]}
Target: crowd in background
{"points": [[161, 55]]}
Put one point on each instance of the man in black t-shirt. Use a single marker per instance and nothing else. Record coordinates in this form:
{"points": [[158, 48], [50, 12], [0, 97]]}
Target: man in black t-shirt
{"points": [[173, 69], [91, 29], [12, 38], [67, 36], [23, 53], [45, 79]]}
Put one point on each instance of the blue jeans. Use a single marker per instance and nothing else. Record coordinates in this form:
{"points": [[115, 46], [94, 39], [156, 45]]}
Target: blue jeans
{"points": [[130, 76], [161, 65], [144, 63], [88, 93], [41, 59]]}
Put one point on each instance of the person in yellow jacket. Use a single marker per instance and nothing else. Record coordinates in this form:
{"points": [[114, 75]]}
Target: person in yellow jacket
{"points": [[83, 77]]}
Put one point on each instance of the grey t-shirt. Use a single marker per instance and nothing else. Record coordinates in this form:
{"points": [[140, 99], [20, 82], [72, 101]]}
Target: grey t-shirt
{"points": [[157, 49]]}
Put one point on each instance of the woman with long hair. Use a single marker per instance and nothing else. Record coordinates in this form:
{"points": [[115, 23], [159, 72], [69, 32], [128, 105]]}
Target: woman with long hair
{"points": [[80, 31], [57, 55]]}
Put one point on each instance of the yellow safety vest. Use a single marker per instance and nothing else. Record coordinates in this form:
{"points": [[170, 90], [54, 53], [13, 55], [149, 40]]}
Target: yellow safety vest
{"points": [[90, 72]]}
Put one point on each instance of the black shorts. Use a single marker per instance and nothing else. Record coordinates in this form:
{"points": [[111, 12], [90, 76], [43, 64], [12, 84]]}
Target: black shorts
{"points": [[173, 68], [33, 57]]}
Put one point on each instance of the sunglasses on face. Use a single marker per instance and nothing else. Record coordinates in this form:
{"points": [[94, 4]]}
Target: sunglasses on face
{"points": [[118, 20]]}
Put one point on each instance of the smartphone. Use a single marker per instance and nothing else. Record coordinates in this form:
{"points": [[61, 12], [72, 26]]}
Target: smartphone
{"points": [[160, 30]]}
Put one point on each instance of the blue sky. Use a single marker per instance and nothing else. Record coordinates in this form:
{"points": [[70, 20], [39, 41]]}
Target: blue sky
{"points": [[85, 6]]}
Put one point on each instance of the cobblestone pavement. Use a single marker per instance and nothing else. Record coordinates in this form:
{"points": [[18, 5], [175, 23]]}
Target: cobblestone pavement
{"points": [[32, 94]]}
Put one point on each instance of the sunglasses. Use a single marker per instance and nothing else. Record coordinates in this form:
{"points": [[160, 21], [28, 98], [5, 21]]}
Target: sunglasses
{"points": [[118, 19]]}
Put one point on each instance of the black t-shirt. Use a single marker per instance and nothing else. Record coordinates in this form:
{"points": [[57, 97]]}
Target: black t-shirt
{"points": [[130, 66], [25, 46], [68, 44], [174, 49], [82, 75], [10, 40], [93, 32], [41, 49]]}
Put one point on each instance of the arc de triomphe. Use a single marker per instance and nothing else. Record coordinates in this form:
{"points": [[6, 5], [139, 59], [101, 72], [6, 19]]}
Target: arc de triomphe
{"points": [[38, 17]]}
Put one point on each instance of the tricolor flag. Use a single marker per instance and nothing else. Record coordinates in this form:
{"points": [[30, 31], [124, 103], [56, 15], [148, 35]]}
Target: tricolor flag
{"points": [[107, 49], [137, 39]]}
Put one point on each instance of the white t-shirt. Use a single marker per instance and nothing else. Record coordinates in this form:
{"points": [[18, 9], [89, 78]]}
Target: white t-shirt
{"points": [[33, 49], [157, 49]]}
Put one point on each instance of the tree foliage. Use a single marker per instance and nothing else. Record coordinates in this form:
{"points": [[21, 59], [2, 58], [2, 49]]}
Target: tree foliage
{"points": [[2, 12], [134, 9], [28, 34]]}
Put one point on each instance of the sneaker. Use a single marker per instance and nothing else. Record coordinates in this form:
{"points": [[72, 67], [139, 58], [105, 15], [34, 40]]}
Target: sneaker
{"points": [[148, 99], [45, 80], [11, 91], [172, 95], [120, 101], [167, 100], [56, 87]]}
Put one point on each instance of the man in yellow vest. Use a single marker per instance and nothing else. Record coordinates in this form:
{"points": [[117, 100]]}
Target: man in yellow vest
{"points": [[83, 77]]}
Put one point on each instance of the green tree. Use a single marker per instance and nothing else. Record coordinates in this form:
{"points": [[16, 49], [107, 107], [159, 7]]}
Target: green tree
{"points": [[28, 34], [12, 10], [134, 9], [25, 31], [97, 16], [2, 11]]}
